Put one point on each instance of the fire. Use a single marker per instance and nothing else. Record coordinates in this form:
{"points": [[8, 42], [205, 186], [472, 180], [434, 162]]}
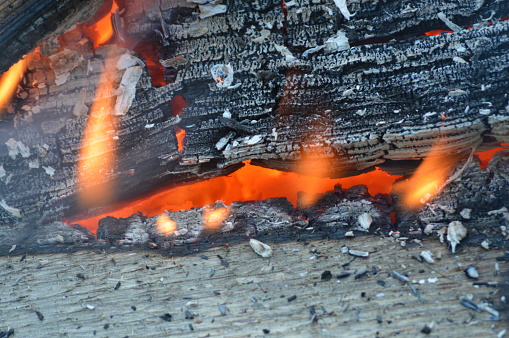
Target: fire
{"points": [[219, 80], [313, 169], [102, 30], [248, 183], [438, 32], [97, 151], [181, 134], [10, 80], [212, 219], [165, 225], [485, 156], [428, 179]]}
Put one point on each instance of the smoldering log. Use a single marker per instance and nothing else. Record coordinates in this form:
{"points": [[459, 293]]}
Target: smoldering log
{"points": [[371, 90], [478, 200]]}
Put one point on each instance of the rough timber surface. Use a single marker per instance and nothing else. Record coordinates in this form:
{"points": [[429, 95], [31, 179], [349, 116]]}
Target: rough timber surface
{"points": [[386, 97], [126, 294]]}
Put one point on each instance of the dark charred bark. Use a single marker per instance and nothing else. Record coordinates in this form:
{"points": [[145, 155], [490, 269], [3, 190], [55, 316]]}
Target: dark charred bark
{"points": [[385, 97], [25, 24]]}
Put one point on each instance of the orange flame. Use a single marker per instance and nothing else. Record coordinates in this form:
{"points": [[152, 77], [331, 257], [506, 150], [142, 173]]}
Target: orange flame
{"points": [[165, 225], [248, 183], [181, 134], [313, 169], [97, 150], [10, 80], [438, 32], [212, 219], [219, 80], [428, 179], [102, 30]]}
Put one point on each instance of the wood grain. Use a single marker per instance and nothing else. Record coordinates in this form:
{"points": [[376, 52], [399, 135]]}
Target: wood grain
{"points": [[254, 291]]}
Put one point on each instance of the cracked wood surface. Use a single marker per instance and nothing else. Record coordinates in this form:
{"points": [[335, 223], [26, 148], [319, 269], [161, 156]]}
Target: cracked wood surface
{"points": [[386, 98], [77, 293]]}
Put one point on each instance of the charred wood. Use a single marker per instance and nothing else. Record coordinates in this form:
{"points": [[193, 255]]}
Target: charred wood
{"points": [[366, 91]]}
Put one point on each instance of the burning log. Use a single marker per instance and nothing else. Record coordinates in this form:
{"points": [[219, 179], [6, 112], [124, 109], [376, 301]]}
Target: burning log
{"points": [[299, 89]]}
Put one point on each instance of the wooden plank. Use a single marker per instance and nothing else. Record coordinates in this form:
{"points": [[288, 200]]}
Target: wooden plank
{"points": [[255, 291]]}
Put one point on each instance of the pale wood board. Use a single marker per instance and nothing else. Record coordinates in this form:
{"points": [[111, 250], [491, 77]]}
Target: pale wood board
{"points": [[61, 297]]}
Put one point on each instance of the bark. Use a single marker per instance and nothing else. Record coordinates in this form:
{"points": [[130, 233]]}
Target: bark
{"points": [[384, 98]]}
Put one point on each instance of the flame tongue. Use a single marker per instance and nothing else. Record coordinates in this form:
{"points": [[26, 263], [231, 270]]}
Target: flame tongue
{"points": [[97, 156], [9, 82], [428, 179]]}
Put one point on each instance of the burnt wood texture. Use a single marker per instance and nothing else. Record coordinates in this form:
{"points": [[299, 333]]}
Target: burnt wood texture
{"points": [[24, 24], [305, 81]]}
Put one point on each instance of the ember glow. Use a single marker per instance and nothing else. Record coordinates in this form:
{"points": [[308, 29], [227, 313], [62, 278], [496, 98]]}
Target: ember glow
{"points": [[9, 82], [97, 151], [212, 219], [102, 30], [248, 183], [165, 225], [181, 134], [428, 179]]}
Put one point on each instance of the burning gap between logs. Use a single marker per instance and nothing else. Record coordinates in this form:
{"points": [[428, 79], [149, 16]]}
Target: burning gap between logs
{"points": [[213, 197]]}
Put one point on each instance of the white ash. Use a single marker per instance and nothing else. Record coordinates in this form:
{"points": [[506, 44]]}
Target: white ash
{"points": [[426, 255], [17, 147], [456, 92], [361, 270], [365, 221], [260, 248], [432, 280], [341, 4], [13, 211], [254, 140], [127, 90], [211, 9], [455, 233], [485, 244], [449, 23], [127, 60], [349, 234], [80, 109], [223, 75], [358, 253], [264, 35], [497, 212], [344, 249], [337, 43], [312, 51], [485, 111], [227, 114], [3, 173], [34, 164], [472, 272], [285, 52], [466, 213], [458, 59]]}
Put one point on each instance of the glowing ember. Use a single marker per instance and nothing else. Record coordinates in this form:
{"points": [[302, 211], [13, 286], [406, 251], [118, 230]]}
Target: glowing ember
{"points": [[428, 179], [485, 156], [181, 134], [102, 30], [9, 82], [165, 225], [219, 80], [212, 219], [248, 183], [97, 152], [438, 32]]}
